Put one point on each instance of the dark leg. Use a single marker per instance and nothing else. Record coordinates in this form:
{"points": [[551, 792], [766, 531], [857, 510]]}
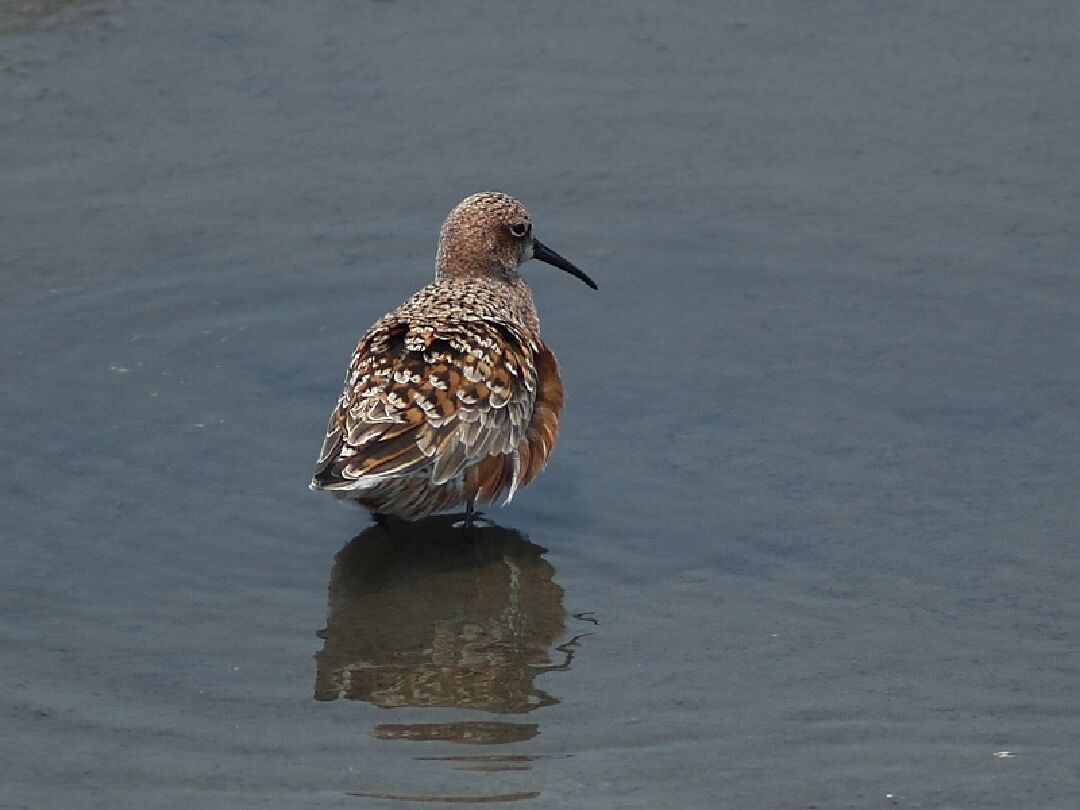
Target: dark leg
{"points": [[380, 519], [468, 515]]}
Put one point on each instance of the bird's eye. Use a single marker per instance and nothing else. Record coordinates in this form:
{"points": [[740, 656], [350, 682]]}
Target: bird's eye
{"points": [[520, 229]]}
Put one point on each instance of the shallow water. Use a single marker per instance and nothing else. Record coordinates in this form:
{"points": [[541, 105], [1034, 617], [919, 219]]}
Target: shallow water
{"points": [[809, 536]]}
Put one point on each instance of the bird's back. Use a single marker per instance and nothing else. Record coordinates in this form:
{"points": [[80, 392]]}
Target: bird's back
{"points": [[450, 398]]}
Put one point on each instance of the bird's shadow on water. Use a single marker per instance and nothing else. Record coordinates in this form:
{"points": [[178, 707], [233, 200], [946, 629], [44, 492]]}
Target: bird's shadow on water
{"points": [[429, 614]]}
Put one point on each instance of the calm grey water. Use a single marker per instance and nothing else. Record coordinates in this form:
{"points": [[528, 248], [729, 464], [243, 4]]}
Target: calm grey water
{"points": [[809, 539]]}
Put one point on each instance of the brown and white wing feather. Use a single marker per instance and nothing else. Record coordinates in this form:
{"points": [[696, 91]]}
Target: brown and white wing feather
{"points": [[443, 400]]}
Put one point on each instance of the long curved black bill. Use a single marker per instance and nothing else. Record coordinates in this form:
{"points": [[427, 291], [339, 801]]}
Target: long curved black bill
{"points": [[546, 254]]}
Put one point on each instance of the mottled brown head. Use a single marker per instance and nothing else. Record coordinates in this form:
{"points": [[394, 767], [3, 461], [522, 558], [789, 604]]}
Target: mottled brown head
{"points": [[490, 235]]}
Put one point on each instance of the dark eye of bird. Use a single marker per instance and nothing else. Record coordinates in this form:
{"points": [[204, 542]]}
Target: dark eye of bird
{"points": [[519, 229]]}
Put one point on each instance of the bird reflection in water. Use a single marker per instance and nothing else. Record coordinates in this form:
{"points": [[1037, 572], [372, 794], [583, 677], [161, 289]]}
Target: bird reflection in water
{"points": [[426, 614]]}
